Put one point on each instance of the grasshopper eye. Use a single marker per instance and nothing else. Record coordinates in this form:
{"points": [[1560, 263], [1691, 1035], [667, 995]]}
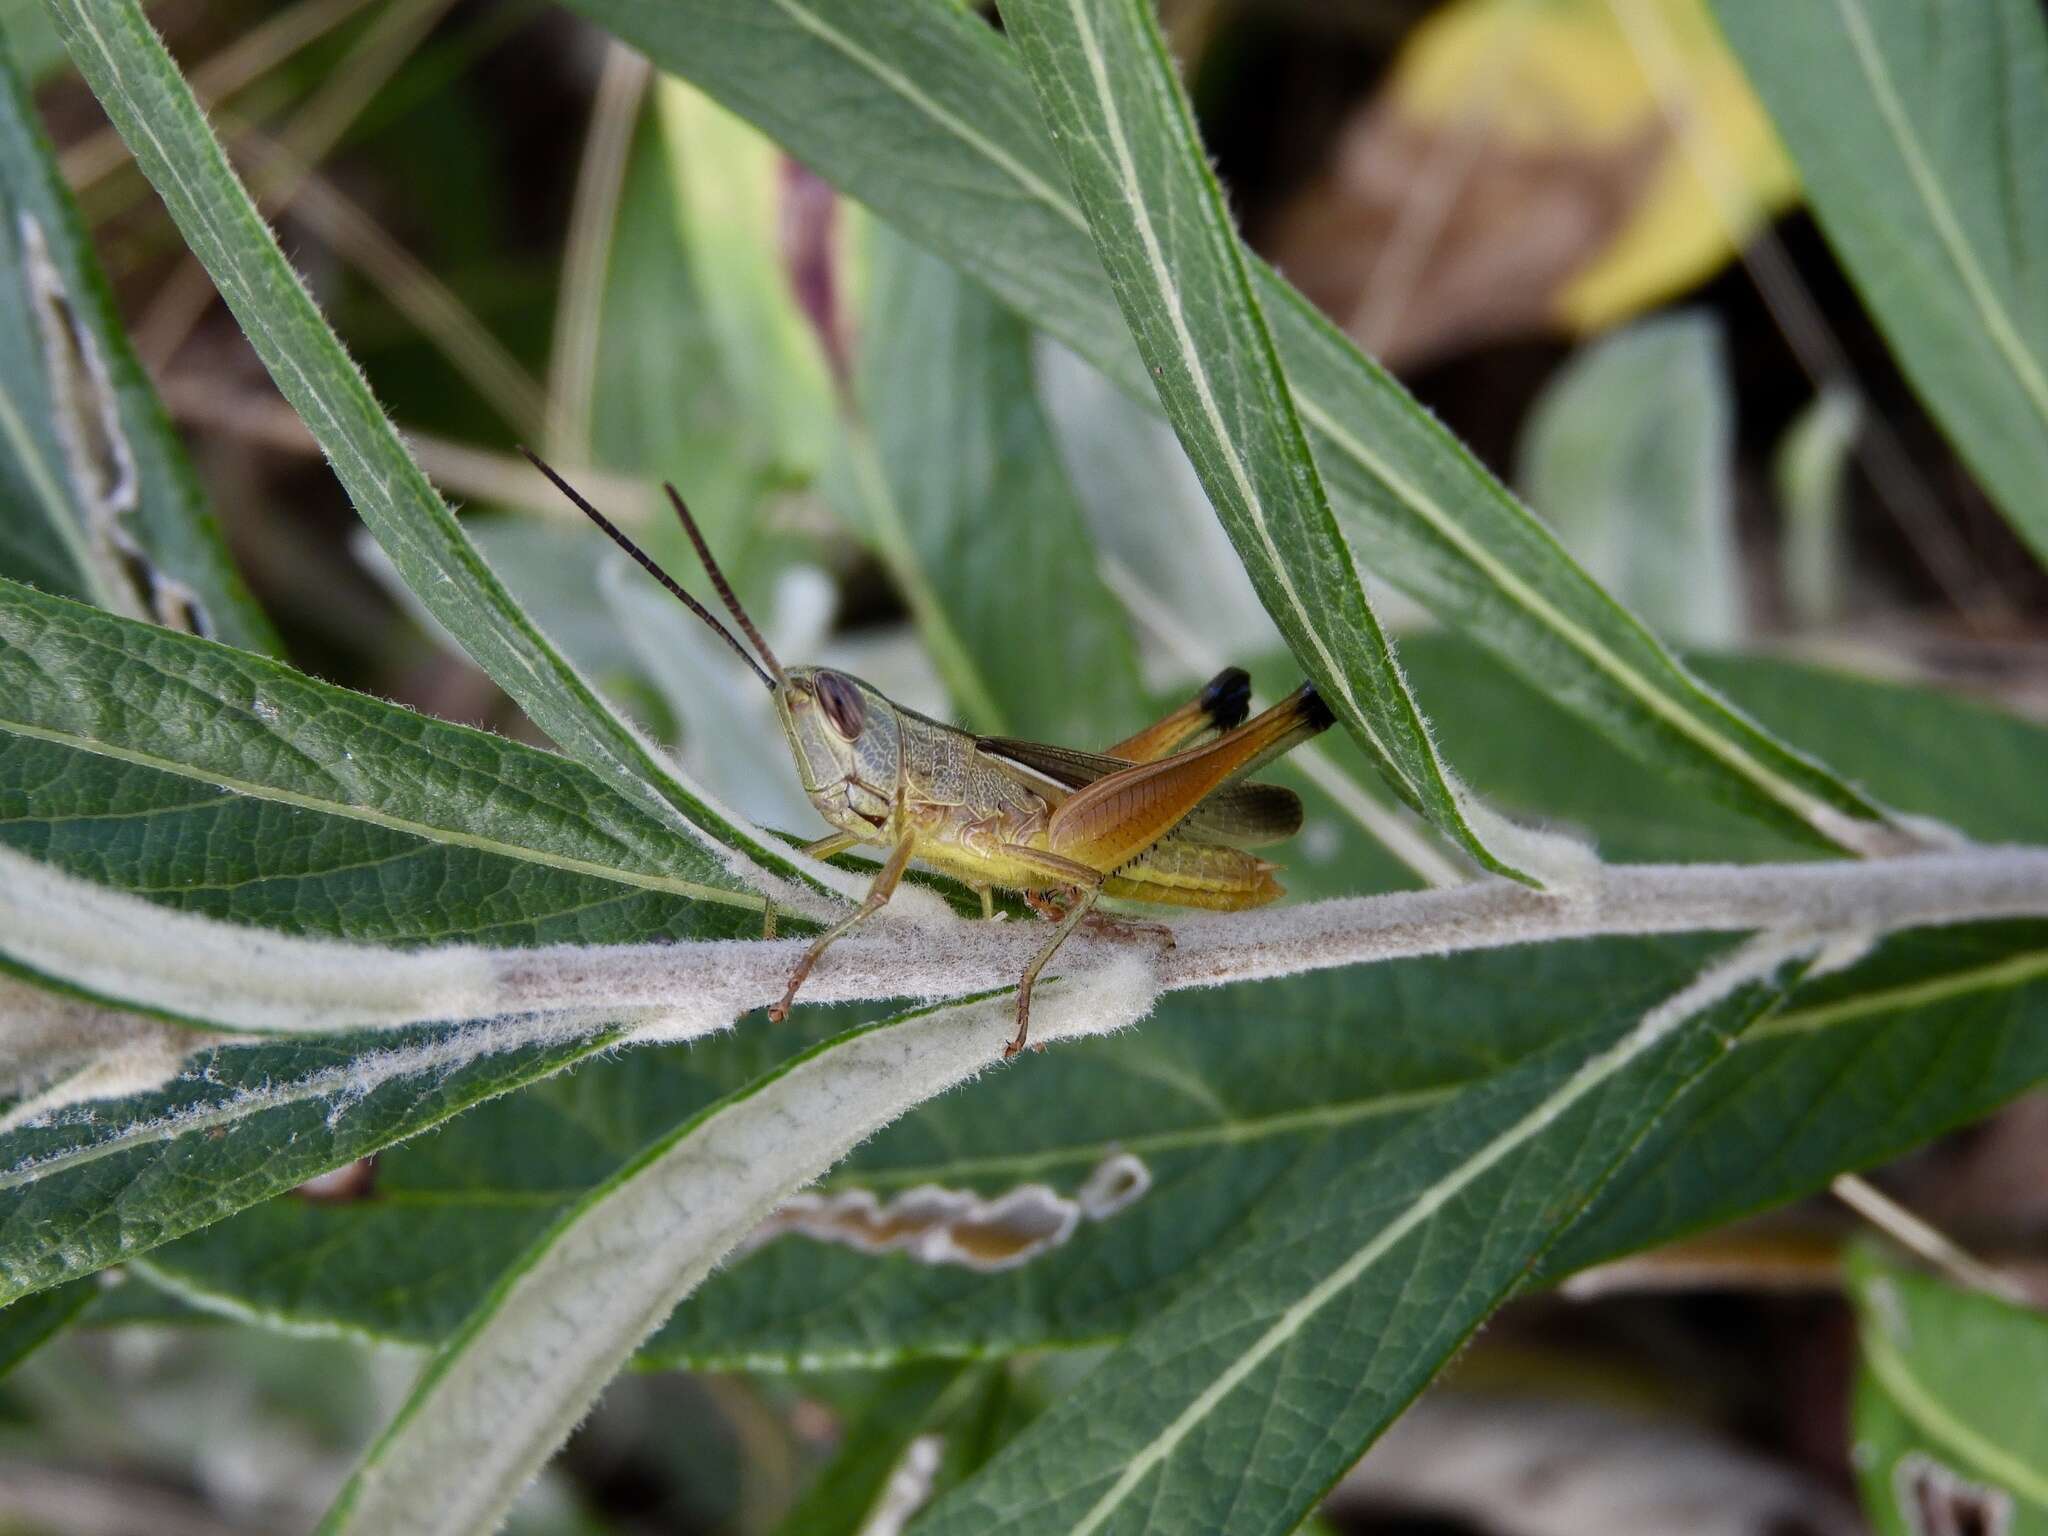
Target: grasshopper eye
{"points": [[842, 704]]}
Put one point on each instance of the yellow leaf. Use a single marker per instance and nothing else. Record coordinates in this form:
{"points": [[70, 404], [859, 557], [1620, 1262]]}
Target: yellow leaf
{"points": [[1568, 78]]}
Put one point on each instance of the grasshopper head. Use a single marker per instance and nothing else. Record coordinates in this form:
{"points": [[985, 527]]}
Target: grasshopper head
{"points": [[843, 734], [841, 731]]}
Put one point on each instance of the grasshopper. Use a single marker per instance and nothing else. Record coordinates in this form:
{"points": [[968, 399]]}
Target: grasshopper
{"points": [[1162, 817]]}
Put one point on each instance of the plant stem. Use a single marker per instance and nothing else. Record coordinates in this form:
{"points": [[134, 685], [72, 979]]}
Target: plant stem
{"points": [[169, 961]]}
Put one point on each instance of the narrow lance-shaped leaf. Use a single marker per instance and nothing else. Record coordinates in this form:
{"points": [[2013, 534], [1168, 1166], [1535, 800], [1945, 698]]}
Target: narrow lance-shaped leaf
{"points": [[971, 174], [1920, 129], [98, 499], [1930, 1032], [95, 1184], [122, 59], [1630, 454], [713, 375], [109, 1148], [1951, 1430], [507, 1389], [73, 678], [1128, 141], [660, 405], [1235, 1406]]}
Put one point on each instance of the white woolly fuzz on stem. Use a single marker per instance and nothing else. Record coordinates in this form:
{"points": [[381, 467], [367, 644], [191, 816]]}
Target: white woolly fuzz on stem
{"points": [[142, 956], [530, 1362], [1557, 859], [1867, 898], [131, 951]]}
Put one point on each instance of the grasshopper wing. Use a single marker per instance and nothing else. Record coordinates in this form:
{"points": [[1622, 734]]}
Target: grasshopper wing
{"points": [[1119, 815], [1063, 765], [1244, 816]]}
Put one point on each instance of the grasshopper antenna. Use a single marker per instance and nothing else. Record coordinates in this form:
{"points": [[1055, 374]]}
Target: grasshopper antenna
{"points": [[648, 565], [732, 603]]}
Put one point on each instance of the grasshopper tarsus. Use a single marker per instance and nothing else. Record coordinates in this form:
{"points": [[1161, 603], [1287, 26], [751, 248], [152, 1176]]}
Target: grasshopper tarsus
{"points": [[1163, 817], [1013, 1046]]}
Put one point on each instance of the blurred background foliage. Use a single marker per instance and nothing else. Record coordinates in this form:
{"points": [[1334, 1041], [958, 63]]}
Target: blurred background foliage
{"points": [[1566, 224]]}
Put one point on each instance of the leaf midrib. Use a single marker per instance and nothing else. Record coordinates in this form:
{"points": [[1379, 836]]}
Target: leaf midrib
{"points": [[354, 812], [1924, 1411], [323, 1082], [1998, 324]]}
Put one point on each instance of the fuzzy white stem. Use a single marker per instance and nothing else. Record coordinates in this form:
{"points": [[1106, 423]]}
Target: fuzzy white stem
{"points": [[133, 953]]}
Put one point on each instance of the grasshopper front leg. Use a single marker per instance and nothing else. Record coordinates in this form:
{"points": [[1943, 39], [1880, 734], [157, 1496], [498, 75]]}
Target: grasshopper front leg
{"points": [[830, 847], [887, 878]]}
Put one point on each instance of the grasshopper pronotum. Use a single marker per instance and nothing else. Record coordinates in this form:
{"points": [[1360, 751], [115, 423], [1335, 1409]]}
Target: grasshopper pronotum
{"points": [[1162, 817]]}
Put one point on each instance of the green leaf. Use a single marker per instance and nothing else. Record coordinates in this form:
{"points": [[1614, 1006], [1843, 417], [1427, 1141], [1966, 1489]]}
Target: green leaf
{"points": [[37, 50], [1969, 766], [1629, 453], [985, 509], [1928, 1033], [96, 497], [1156, 536], [1951, 1432], [971, 174], [733, 220], [1127, 139], [1931, 1031], [507, 1389], [240, 1123], [708, 372], [226, 785], [121, 58], [654, 412], [1920, 130], [1236, 1405], [181, 732]]}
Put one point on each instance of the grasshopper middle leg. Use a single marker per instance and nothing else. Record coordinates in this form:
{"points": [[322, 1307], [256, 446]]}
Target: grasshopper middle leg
{"points": [[1084, 899], [1061, 874]]}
